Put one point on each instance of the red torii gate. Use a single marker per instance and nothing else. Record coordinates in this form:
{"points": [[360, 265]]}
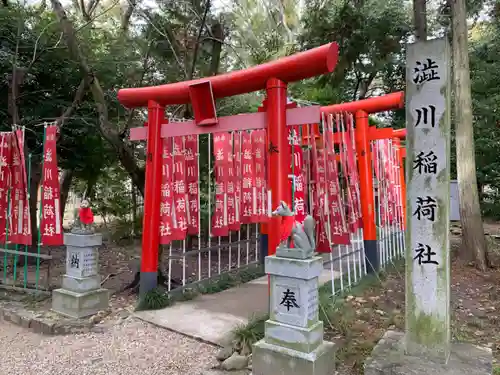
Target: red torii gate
{"points": [[201, 93], [363, 135]]}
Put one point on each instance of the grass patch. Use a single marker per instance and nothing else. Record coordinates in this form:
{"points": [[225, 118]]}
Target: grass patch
{"points": [[496, 370], [245, 335], [155, 299]]}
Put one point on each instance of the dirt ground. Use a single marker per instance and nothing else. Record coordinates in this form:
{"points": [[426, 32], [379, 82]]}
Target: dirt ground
{"points": [[377, 306]]}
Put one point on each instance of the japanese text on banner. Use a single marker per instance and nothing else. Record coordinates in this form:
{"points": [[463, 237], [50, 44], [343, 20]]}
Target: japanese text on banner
{"points": [[299, 203], [192, 180], [237, 183], [179, 189], [248, 182], [222, 144], [259, 151], [51, 225], [5, 181], [166, 211]]}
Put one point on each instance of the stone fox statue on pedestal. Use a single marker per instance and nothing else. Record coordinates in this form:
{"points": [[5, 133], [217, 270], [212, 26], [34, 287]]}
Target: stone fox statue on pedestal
{"points": [[302, 235]]}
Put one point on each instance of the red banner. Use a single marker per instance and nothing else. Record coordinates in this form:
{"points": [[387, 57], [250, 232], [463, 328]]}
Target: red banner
{"points": [[5, 181], [353, 176], [339, 232], [387, 187], [27, 214], [348, 166], [180, 223], [259, 151], [299, 198], [222, 145], [20, 230], [398, 207], [319, 210], [50, 224], [237, 182], [248, 190], [166, 211], [192, 180], [233, 221], [391, 177]]}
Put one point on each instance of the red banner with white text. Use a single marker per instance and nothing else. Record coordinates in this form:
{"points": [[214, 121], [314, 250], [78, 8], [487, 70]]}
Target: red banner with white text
{"points": [[166, 210], [51, 225], [222, 144], [248, 190], [180, 193], [339, 231], [259, 152], [20, 230], [299, 198], [232, 194], [5, 182], [235, 226], [192, 180]]}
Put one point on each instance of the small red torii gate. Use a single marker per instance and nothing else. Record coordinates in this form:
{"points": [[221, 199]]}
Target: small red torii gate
{"points": [[201, 93]]}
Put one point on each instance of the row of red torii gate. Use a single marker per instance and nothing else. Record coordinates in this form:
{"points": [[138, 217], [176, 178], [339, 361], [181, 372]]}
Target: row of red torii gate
{"points": [[216, 177]]}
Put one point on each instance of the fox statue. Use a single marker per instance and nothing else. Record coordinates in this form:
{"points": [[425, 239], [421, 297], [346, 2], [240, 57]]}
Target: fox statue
{"points": [[302, 235]]}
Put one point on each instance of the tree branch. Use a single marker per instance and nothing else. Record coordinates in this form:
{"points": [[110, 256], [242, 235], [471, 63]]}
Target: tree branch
{"points": [[169, 37], [365, 85], [83, 9], [197, 43], [145, 68], [35, 57], [106, 129], [420, 19], [80, 93], [92, 19], [125, 21], [92, 7], [15, 81]]}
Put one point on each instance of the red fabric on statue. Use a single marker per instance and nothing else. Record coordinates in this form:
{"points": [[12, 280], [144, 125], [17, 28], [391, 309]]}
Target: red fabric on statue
{"points": [[86, 215], [286, 227]]}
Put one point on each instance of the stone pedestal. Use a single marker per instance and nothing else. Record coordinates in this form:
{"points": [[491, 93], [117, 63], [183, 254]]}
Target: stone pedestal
{"points": [[389, 358], [81, 294], [293, 342]]}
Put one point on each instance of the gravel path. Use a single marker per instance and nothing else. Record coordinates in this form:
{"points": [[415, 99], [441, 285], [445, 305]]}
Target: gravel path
{"points": [[130, 348]]}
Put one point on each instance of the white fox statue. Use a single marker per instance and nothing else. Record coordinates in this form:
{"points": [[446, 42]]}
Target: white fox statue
{"points": [[302, 235]]}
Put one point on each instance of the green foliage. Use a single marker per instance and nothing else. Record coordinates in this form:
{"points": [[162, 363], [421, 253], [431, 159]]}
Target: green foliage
{"points": [[369, 33], [485, 79], [113, 193], [247, 334]]}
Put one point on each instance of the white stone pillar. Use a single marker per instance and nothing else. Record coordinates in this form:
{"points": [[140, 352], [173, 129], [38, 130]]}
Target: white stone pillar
{"points": [[428, 183], [425, 347]]}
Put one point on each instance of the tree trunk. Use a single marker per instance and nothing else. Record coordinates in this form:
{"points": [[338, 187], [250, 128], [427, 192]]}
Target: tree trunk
{"points": [[89, 190], [474, 241], [66, 180], [420, 19], [218, 33]]}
